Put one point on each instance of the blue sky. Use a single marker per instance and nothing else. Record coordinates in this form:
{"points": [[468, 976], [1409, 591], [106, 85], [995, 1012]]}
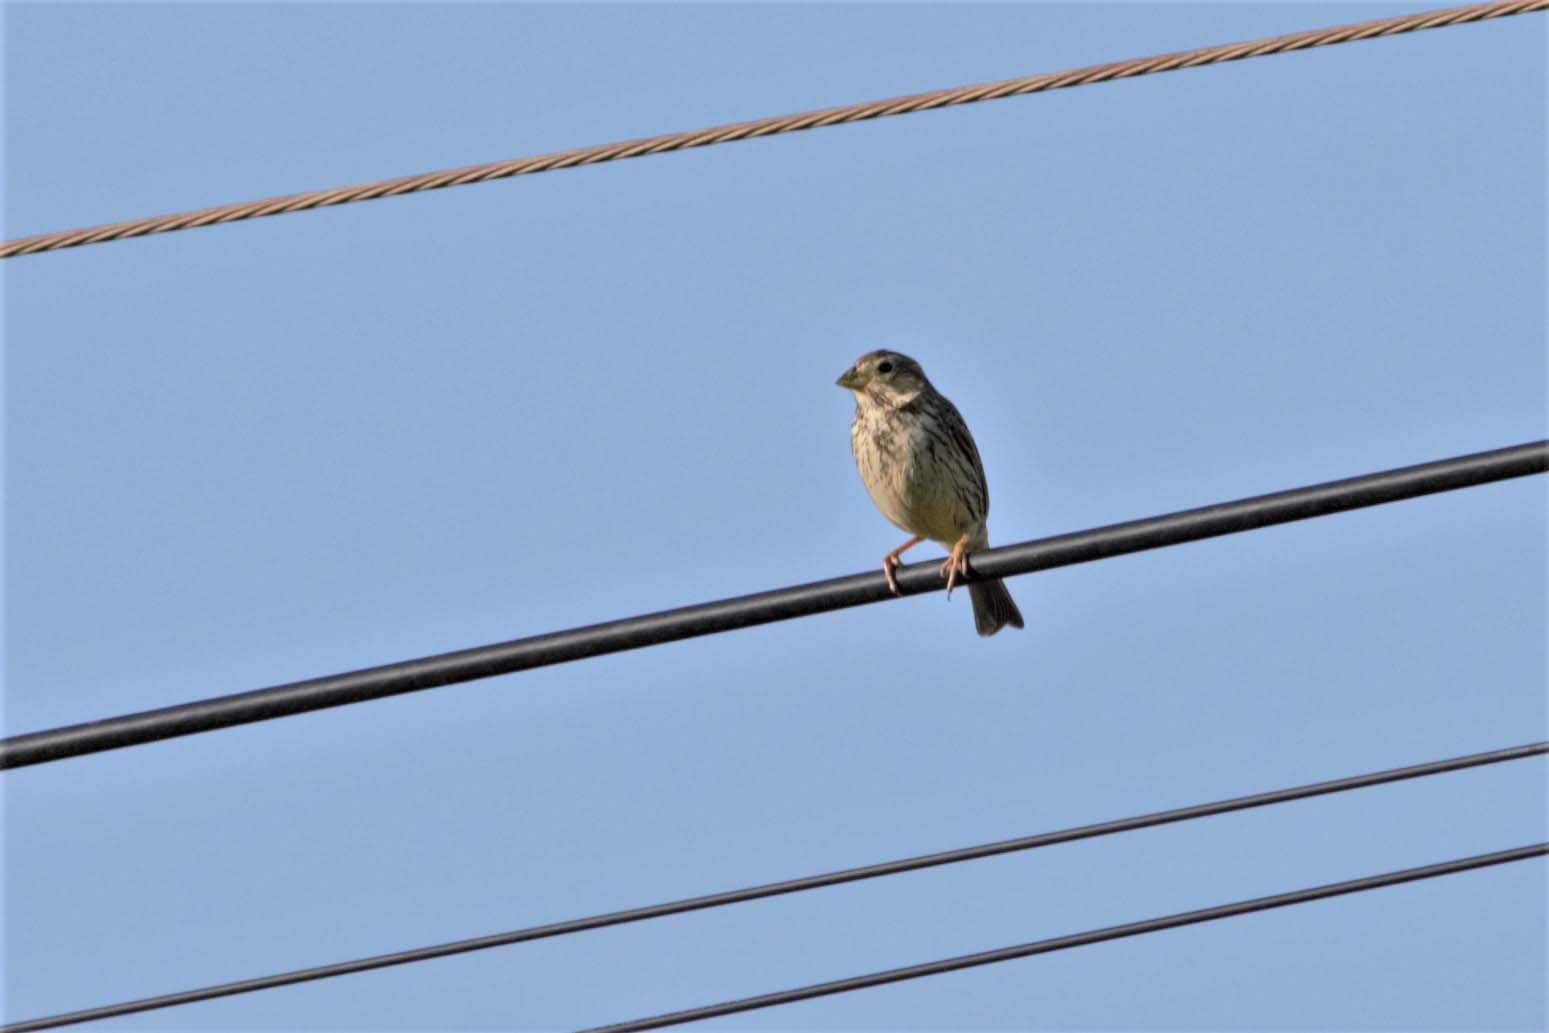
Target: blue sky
{"points": [[249, 454]]}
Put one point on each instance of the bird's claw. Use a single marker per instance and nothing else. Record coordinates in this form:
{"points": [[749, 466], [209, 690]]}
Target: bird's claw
{"points": [[889, 564], [956, 564]]}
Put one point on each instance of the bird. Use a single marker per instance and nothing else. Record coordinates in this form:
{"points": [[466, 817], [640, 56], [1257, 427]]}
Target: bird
{"points": [[922, 469]]}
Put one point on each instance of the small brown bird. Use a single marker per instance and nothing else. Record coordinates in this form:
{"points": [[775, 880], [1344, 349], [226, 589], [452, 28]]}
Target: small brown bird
{"points": [[922, 469]]}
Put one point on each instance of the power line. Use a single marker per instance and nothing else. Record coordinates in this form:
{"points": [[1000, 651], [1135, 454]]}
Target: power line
{"points": [[1058, 943], [766, 607], [775, 889], [772, 126]]}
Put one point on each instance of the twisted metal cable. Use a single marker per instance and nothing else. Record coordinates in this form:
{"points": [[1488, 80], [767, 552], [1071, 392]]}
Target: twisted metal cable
{"points": [[773, 126]]}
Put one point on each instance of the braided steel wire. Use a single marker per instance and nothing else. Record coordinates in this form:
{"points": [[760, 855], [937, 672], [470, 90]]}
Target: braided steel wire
{"points": [[773, 126]]}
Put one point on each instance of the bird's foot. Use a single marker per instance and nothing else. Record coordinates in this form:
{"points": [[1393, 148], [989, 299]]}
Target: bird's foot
{"points": [[956, 564], [889, 564]]}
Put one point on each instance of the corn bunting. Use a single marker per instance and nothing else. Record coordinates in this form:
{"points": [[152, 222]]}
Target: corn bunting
{"points": [[922, 470]]}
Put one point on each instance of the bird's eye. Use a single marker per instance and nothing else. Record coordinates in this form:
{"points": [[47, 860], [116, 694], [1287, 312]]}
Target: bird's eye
{"points": [[884, 367]]}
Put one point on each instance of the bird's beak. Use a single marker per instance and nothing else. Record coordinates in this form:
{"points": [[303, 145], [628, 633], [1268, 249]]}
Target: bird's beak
{"points": [[850, 379]]}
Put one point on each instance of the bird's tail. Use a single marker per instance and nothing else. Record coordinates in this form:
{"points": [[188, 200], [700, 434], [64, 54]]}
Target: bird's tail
{"points": [[993, 607]]}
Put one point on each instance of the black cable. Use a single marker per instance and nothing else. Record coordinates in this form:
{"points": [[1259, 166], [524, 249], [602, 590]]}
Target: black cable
{"points": [[774, 889], [1113, 932], [765, 607]]}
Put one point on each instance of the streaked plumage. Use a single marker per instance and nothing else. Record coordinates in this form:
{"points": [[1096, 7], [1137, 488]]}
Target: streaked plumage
{"points": [[922, 469]]}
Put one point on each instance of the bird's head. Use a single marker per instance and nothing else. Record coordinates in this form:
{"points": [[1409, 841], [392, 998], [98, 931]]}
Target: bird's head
{"points": [[885, 378]]}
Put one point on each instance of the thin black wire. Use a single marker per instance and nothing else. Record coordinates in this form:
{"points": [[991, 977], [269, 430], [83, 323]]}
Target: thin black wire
{"points": [[774, 889], [1059, 943], [766, 607]]}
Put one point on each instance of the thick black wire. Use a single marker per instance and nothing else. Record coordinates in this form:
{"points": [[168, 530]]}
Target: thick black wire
{"points": [[1058, 943], [766, 607], [774, 889]]}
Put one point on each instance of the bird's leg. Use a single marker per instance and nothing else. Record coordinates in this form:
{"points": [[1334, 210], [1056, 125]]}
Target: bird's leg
{"points": [[956, 564], [891, 560]]}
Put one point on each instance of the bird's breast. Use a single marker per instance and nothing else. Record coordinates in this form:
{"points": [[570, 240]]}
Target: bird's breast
{"points": [[883, 456], [908, 477]]}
